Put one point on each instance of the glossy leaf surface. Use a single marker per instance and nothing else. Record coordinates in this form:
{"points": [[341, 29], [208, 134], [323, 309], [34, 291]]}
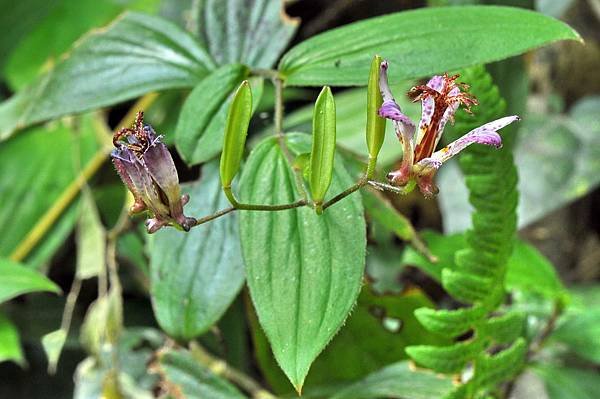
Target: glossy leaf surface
{"points": [[304, 270], [196, 275], [18, 280], [397, 381], [252, 32], [419, 43], [134, 55], [199, 131]]}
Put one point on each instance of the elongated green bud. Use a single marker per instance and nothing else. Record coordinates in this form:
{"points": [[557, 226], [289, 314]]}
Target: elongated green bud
{"points": [[323, 147], [236, 129], [375, 123]]}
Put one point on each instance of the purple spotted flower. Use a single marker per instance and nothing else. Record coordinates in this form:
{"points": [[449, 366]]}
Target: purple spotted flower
{"points": [[440, 98], [146, 167]]}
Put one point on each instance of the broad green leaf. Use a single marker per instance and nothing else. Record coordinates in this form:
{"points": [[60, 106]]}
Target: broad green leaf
{"points": [[397, 381], [236, 129], [529, 270], [28, 14], [10, 345], [53, 343], [323, 146], [374, 336], [47, 160], [304, 270], [134, 55], [196, 275], [252, 32], [352, 118], [442, 247], [91, 240], [580, 334], [199, 131], [185, 376], [380, 209], [445, 359], [419, 43], [450, 322], [18, 280], [568, 383], [66, 23], [492, 369]]}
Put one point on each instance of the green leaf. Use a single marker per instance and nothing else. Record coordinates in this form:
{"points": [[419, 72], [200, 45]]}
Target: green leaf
{"points": [[52, 156], [445, 359], [304, 271], [134, 55], [203, 116], [28, 14], [491, 370], [186, 377], [580, 333], [466, 287], [53, 343], [66, 23], [236, 130], [374, 336], [450, 322], [18, 280], [380, 209], [568, 383], [196, 275], [91, 240], [442, 247], [252, 32], [323, 146], [10, 345], [419, 43], [503, 329], [397, 381], [529, 270]]}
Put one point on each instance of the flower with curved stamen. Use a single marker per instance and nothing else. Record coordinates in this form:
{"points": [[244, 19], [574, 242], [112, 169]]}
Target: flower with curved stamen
{"points": [[146, 167], [440, 99]]}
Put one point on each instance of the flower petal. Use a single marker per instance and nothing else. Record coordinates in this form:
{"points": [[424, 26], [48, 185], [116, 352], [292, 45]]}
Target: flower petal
{"points": [[405, 128], [160, 165], [485, 134]]}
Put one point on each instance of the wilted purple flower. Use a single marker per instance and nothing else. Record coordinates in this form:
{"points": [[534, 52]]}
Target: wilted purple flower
{"points": [[146, 167], [440, 99]]}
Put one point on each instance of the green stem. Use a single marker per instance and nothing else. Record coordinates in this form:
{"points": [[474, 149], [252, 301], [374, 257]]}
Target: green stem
{"points": [[388, 187], [259, 207], [371, 167], [361, 183]]}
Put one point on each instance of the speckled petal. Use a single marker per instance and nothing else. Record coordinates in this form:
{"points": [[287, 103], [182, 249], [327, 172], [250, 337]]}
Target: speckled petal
{"points": [[405, 128], [485, 134]]}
